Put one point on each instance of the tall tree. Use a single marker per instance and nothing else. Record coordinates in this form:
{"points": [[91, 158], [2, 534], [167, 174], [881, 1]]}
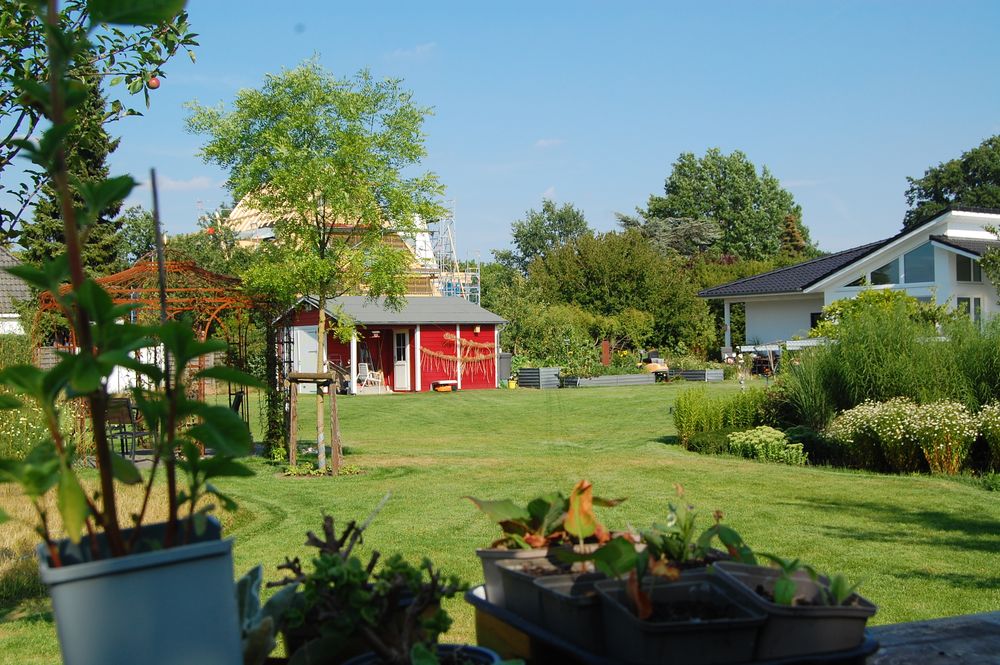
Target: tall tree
{"points": [[608, 274], [749, 208], [333, 161], [87, 148], [971, 180], [132, 56], [541, 231]]}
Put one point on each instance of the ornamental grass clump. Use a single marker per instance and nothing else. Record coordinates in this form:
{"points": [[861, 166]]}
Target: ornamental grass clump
{"points": [[695, 412], [989, 428], [946, 431]]}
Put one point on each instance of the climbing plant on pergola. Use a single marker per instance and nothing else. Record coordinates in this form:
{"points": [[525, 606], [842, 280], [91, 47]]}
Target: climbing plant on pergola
{"points": [[210, 301]]}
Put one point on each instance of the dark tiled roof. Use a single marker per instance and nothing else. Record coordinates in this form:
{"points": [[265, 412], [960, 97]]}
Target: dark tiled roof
{"points": [[11, 288], [971, 245], [793, 278]]}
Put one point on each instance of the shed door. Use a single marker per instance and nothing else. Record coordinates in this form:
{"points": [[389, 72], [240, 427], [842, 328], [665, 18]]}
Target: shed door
{"points": [[401, 360]]}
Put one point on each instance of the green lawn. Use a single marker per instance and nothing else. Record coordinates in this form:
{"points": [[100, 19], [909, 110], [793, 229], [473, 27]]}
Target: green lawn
{"points": [[924, 547]]}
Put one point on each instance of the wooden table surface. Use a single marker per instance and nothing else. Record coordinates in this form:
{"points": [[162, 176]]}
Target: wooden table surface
{"points": [[970, 639]]}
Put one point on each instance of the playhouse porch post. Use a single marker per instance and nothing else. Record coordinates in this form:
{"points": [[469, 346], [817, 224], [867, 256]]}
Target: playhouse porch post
{"points": [[354, 362]]}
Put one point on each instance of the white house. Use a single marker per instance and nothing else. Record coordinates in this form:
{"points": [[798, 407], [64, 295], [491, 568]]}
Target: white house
{"points": [[11, 289], [936, 261]]}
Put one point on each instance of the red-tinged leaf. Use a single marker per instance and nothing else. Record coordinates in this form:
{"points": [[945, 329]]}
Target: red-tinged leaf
{"points": [[535, 540], [641, 601], [580, 521], [665, 570]]}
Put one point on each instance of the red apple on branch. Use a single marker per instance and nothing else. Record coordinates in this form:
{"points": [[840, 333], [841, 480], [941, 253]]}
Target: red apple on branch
{"points": [[153, 83]]}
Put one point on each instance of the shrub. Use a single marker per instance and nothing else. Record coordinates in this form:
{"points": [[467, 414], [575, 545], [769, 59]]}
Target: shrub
{"points": [[695, 412], [894, 425], [852, 429], [715, 442], [946, 431], [818, 448], [989, 427], [767, 445], [745, 410]]}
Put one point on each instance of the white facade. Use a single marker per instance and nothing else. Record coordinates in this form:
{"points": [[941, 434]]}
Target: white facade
{"points": [[10, 324], [930, 269]]}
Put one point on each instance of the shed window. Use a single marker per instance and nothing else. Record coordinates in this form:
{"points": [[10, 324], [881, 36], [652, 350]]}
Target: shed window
{"points": [[918, 265], [887, 274], [967, 270]]}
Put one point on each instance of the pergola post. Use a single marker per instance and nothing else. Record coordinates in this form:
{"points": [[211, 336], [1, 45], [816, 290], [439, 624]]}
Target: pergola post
{"points": [[293, 423]]}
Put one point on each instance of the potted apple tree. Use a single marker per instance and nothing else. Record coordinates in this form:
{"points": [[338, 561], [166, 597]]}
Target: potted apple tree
{"points": [[122, 590]]}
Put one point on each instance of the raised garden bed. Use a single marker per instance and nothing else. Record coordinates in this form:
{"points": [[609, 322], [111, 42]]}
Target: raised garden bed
{"points": [[702, 375], [646, 378], [538, 377]]}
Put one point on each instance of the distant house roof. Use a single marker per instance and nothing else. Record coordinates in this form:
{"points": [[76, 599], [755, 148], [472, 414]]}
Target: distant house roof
{"points": [[11, 288], [416, 310], [793, 278], [801, 276]]}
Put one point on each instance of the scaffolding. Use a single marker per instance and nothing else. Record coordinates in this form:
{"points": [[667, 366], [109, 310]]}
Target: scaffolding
{"points": [[452, 276]]}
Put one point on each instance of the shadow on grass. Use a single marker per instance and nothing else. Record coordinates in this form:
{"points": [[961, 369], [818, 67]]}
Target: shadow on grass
{"points": [[27, 611], [957, 580], [887, 522], [670, 440]]}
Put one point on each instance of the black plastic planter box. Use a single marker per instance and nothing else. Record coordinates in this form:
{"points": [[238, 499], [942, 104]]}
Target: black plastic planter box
{"points": [[520, 593], [694, 642], [799, 630], [491, 571], [571, 609]]}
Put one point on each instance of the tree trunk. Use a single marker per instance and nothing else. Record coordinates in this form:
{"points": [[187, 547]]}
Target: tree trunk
{"points": [[336, 448], [320, 368]]}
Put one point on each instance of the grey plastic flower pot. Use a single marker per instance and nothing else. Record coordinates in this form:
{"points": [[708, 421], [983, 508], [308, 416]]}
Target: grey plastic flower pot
{"points": [[521, 594], [447, 653], [157, 607], [802, 629], [694, 642], [571, 608], [491, 573]]}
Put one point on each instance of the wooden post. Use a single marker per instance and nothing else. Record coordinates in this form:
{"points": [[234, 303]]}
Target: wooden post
{"points": [[293, 424], [336, 448]]}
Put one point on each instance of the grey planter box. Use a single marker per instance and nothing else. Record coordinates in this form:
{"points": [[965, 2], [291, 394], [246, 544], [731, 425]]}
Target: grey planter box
{"points": [[445, 652], [522, 595], [799, 630], [538, 377], [158, 607], [646, 379], [703, 375], [697, 642], [491, 572]]}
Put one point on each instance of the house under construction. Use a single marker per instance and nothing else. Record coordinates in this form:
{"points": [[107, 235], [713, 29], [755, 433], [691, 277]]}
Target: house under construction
{"points": [[435, 269]]}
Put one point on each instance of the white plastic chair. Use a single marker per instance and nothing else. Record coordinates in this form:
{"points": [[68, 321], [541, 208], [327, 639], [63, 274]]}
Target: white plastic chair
{"points": [[367, 377]]}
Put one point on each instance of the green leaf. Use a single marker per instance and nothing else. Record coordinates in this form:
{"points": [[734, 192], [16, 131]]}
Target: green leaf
{"points": [[8, 402], [421, 655], [784, 590], [215, 467], [101, 194], [26, 379], [86, 375], [227, 504], [124, 470], [133, 12], [72, 504], [503, 510], [222, 430], [232, 375], [200, 521]]}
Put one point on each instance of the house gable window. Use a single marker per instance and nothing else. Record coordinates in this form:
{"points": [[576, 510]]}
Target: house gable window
{"points": [[967, 270], [887, 274], [918, 265]]}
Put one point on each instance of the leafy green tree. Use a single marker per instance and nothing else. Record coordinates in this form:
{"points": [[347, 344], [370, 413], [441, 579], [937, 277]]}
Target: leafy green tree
{"points": [[87, 148], [970, 180], [333, 161], [214, 246], [540, 232], [136, 234], [675, 235], [608, 274], [748, 207], [124, 55]]}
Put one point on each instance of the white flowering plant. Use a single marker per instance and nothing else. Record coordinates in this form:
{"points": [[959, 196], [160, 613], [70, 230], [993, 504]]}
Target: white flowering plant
{"points": [[989, 427], [946, 430]]}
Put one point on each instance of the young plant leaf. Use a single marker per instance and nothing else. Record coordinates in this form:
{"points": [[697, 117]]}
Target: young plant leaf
{"points": [[223, 373], [641, 601], [133, 12], [222, 430], [503, 510], [580, 522], [124, 470], [8, 402], [72, 504]]}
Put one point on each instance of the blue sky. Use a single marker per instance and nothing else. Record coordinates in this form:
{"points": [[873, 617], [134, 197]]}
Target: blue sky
{"points": [[591, 102]]}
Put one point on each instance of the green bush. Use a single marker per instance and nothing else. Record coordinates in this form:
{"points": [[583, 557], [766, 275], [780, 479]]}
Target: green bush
{"points": [[695, 411], [744, 410], [989, 427], [817, 447], [22, 428], [808, 382], [946, 431], [766, 444], [715, 442]]}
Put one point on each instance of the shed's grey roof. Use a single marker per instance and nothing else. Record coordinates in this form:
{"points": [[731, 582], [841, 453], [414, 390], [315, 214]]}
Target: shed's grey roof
{"points": [[417, 309], [793, 278], [971, 245], [11, 288]]}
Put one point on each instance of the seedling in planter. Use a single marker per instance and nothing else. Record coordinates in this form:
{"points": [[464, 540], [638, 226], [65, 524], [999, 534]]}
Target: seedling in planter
{"points": [[526, 527], [581, 523], [838, 592]]}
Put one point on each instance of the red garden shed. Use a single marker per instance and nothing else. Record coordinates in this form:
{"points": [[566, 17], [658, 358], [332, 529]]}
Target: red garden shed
{"points": [[432, 340]]}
